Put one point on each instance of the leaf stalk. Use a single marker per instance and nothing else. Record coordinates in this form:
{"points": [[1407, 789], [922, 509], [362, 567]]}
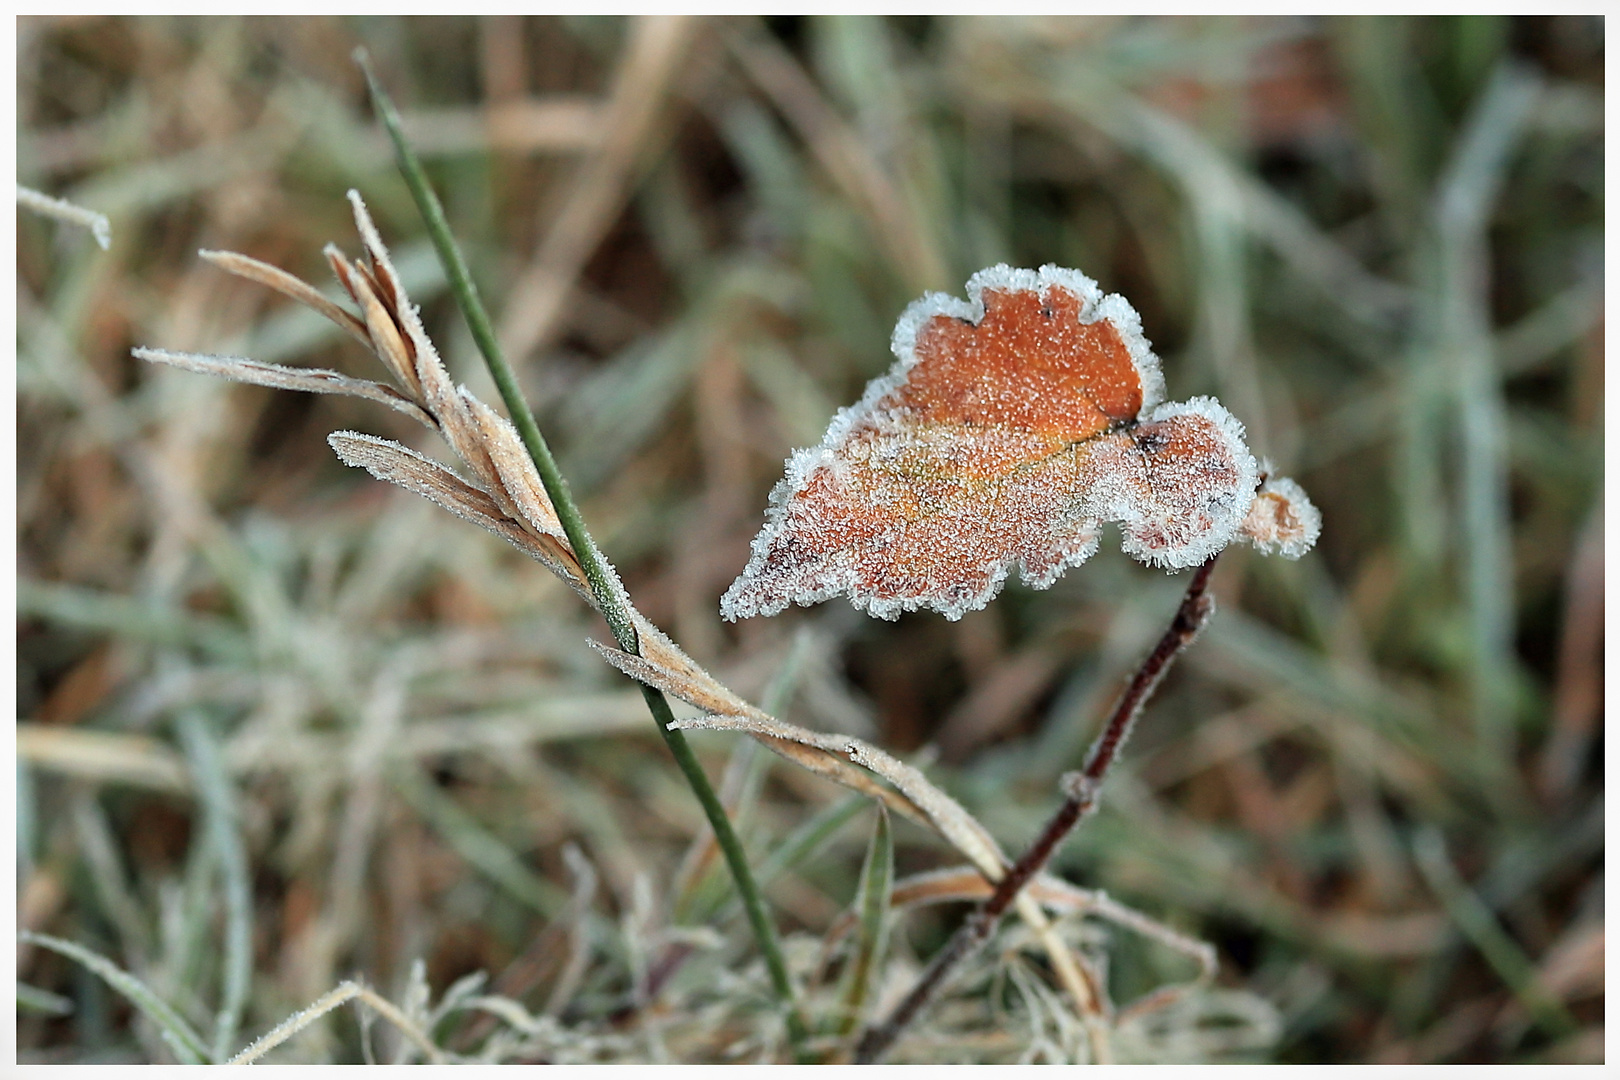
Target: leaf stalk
{"points": [[1082, 791]]}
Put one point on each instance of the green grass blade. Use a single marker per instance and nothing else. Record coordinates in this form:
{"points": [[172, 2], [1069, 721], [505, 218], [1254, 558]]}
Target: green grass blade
{"points": [[871, 933], [1475, 919], [124, 617], [118, 899], [809, 837], [481, 848], [222, 820], [42, 1001], [706, 892], [1468, 192], [186, 1043]]}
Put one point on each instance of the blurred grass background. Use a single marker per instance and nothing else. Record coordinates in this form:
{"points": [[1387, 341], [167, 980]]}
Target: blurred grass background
{"points": [[1375, 784]]}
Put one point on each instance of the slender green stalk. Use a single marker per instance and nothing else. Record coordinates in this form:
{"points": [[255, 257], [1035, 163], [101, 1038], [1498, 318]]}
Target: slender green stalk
{"points": [[222, 820], [604, 583]]}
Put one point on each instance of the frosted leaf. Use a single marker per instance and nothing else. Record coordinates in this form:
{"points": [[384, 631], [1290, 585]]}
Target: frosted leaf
{"points": [[1179, 482], [1282, 519], [1012, 427]]}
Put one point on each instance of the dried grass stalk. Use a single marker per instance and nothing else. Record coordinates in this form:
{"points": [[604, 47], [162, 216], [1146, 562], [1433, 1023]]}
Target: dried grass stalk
{"points": [[72, 213]]}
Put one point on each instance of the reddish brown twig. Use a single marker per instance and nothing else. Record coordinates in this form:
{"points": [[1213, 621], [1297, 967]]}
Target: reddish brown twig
{"points": [[1081, 790]]}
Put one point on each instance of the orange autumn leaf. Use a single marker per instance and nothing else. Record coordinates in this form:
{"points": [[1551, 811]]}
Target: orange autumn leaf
{"points": [[1013, 425]]}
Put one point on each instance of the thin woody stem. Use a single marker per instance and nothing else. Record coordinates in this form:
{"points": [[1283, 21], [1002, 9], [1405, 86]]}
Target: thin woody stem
{"points": [[1081, 790], [610, 600]]}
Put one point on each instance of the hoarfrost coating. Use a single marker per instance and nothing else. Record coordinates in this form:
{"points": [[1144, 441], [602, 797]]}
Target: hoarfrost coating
{"points": [[1011, 427]]}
